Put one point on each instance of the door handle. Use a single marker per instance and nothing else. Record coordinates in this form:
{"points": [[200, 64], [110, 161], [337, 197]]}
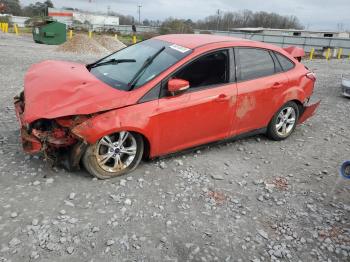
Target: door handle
{"points": [[277, 85], [220, 98]]}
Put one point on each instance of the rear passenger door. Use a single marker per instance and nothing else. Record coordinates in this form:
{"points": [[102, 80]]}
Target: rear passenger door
{"points": [[260, 82]]}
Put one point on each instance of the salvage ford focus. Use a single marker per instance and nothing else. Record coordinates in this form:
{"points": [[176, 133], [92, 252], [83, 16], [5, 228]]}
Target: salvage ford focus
{"points": [[160, 96]]}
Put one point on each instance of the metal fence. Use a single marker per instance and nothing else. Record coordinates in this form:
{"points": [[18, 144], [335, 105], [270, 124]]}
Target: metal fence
{"points": [[320, 44]]}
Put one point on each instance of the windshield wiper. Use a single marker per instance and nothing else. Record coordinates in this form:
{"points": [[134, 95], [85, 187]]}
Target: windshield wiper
{"points": [[146, 64], [111, 62]]}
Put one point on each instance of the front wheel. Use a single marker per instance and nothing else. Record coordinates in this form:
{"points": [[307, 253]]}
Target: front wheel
{"points": [[284, 122], [114, 155]]}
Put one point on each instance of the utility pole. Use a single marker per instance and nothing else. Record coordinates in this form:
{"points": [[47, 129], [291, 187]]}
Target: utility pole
{"points": [[139, 11], [217, 25]]}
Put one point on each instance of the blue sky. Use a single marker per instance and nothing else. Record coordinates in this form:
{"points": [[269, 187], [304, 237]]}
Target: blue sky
{"points": [[313, 14]]}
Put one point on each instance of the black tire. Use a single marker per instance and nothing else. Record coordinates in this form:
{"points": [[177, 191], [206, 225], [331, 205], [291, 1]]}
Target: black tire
{"points": [[90, 162], [272, 131]]}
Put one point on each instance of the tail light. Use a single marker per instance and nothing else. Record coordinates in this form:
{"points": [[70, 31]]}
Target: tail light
{"points": [[311, 75]]}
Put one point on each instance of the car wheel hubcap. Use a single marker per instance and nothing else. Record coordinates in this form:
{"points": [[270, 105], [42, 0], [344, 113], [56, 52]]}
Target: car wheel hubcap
{"points": [[285, 121], [116, 152]]}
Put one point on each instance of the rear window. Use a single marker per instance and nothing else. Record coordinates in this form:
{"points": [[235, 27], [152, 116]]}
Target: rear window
{"points": [[254, 63], [285, 62]]}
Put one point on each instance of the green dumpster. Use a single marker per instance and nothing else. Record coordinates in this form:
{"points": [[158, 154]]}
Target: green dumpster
{"points": [[50, 33]]}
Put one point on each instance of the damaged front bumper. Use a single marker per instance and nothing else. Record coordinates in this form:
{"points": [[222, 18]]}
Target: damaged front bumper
{"points": [[30, 143], [55, 141], [309, 110]]}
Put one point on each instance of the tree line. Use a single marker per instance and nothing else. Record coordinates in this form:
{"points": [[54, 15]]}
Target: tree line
{"points": [[247, 18], [228, 20], [37, 9], [219, 21]]}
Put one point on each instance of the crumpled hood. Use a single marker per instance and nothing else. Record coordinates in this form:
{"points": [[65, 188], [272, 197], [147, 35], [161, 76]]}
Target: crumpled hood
{"points": [[55, 89]]}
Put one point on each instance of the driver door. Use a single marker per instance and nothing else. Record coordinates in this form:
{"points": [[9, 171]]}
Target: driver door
{"points": [[204, 112]]}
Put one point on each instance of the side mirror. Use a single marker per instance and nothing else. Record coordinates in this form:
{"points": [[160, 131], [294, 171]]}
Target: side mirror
{"points": [[176, 86]]}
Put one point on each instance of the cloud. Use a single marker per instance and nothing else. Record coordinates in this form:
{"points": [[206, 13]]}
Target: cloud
{"points": [[315, 14]]}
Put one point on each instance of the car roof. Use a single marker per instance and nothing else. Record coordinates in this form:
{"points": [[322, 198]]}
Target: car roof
{"points": [[193, 41]]}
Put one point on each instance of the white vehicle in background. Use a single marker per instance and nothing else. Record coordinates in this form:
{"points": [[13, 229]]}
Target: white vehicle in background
{"points": [[345, 85]]}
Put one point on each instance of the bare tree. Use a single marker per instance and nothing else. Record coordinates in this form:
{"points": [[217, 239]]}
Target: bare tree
{"points": [[247, 18]]}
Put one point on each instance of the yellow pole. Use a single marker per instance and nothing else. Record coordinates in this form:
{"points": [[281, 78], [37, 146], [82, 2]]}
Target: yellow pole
{"points": [[116, 36], [339, 53], [134, 39], [2, 27], [312, 53], [70, 34], [328, 53], [90, 34], [16, 29]]}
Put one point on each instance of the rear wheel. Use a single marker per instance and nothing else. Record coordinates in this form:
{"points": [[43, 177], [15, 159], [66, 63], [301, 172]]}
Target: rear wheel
{"points": [[114, 155], [284, 122]]}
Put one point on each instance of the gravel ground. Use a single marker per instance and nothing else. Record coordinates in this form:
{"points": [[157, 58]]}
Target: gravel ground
{"points": [[248, 200]]}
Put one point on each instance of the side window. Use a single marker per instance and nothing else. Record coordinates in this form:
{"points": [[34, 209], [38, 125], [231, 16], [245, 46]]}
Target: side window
{"points": [[210, 69], [254, 63], [285, 62], [278, 67]]}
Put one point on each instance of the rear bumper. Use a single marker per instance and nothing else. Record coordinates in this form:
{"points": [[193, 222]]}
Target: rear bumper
{"points": [[30, 143], [309, 111]]}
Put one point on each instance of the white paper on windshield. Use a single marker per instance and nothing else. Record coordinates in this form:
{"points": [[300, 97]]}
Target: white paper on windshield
{"points": [[179, 48]]}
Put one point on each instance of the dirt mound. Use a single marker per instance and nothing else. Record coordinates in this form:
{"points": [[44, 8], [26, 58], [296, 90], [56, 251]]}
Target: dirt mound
{"points": [[110, 43], [82, 44]]}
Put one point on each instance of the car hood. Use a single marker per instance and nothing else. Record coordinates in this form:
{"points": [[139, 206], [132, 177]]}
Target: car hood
{"points": [[55, 89]]}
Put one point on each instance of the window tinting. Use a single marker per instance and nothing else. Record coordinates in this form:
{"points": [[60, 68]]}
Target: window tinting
{"points": [[285, 62], [207, 70], [254, 63]]}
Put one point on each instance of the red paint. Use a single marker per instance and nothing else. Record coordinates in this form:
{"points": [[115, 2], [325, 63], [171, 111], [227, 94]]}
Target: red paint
{"points": [[175, 85], [60, 14], [308, 112], [54, 89], [295, 51], [88, 109]]}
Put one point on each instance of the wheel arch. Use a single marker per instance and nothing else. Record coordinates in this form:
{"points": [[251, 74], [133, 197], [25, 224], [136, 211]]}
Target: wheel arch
{"points": [[91, 135], [294, 94], [296, 101]]}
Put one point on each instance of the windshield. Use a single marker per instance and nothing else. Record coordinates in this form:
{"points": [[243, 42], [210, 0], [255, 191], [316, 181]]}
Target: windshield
{"points": [[119, 75]]}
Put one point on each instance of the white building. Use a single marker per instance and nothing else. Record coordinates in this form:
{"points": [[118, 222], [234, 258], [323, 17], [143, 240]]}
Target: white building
{"points": [[96, 21]]}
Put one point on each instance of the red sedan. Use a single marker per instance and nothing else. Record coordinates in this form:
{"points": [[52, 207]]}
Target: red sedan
{"points": [[160, 96]]}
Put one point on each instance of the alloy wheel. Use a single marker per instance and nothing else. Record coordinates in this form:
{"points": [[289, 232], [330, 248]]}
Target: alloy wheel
{"points": [[285, 121], [116, 152]]}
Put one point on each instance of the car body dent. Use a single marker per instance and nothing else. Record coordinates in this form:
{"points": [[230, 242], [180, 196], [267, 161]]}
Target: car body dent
{"points": [[309, 111], [133, 118], [55, 88]]}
